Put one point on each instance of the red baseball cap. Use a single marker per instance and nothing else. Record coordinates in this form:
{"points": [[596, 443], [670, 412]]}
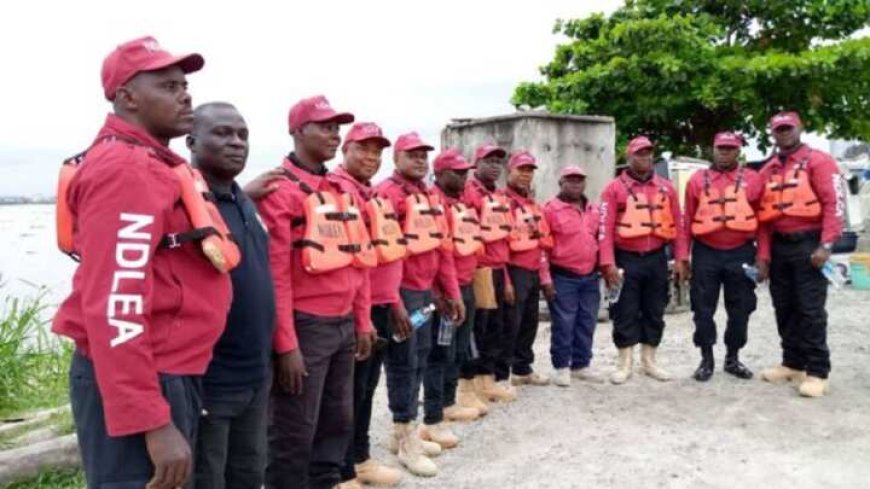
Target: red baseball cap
{"points": [[522, 158], [791, 119], [315, 109], [138, 55], [727, 139], [487, 149], [365, 131], [411, 141], [450, 159], [637, 144], [572, 171]]}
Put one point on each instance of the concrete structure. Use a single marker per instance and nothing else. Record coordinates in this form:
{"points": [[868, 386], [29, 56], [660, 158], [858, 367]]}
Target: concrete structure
{"points": [[556, 141]]}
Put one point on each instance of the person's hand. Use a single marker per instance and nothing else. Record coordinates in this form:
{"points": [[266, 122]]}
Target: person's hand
{"points": [[291, 372], [264, 184], [819, 257], [401, 321], [549, 291], [611, 276], [763, 267], [509, 294], [171, 456], [681, 271], [363, 346], [457, 312]]}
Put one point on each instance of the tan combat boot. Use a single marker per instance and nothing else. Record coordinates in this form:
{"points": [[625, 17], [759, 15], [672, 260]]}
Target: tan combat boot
{"points": [[351, 484], [781, 373], [438, 433], [411, 454], [466, 397], [623, 365], [461, 414], [648, 364], [430, 449], [531, 379], [495, 392], [813, 387], [375, 474]]}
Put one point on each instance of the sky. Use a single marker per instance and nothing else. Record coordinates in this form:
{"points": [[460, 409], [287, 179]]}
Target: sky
{"points": [[406, 65]]}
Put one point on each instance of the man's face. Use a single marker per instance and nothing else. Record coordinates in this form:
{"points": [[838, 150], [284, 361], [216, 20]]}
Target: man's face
{"points": [[319, 139], [521, 177], [362, 159], [489, 169], [641, 161], [219, 142], [413, 164], [160, 101], [452, 181], [572, 186], [726, 156], [787, 136]]}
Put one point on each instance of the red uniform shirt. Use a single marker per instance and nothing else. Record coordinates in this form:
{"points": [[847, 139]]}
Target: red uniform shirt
{"points": [[824, 177], [575, 236], [723, 239], [614, 198], [331, 294], [497, 253], [419, 272], [137, 309], [465, 265]]}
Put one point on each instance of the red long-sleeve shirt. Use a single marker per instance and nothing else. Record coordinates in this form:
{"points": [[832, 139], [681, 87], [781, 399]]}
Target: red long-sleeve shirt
{"points": [[529, 259], [331, 294], [419, 272], [824, 177], [497, 253], [465, 265], [575, 237], [615, 196], [723, 239], [137, 309]]}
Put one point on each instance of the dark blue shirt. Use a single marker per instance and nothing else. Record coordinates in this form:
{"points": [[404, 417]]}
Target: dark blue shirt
{"points": [[242, 356]]}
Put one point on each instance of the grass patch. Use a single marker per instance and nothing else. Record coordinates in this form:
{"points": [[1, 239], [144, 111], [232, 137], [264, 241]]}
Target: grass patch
{"points": [[61, 422], [33, 361], [53, 479]]}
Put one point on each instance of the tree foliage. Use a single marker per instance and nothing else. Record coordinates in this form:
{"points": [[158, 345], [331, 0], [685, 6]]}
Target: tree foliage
{"points": [[681, 70]]}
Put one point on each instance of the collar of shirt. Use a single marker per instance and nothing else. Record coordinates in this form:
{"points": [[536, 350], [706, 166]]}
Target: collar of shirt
{"points": [[409, 186], [581, 206], [364, 188], [298, 163], [482, 186], [123, 130], [227, 196], [803, 152], [630, 181]]}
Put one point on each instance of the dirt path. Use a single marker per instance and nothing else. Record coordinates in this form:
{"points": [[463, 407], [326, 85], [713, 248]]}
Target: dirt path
{"points": [[682, 434]]}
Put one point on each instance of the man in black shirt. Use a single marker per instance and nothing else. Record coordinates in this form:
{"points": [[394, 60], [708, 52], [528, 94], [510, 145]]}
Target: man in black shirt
{"points": [[231, 451]]}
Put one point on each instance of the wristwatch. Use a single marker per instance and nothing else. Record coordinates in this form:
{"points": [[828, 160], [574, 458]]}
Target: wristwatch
{"points": [[828, 247]]}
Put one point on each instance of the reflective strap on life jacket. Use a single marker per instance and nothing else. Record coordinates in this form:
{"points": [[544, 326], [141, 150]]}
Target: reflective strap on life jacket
{"points": [[386, 233], [325, 245], [642, 218], [421, 229], [530, 229], [494, 219], [465, 230], [365, 256], [792, 197]]}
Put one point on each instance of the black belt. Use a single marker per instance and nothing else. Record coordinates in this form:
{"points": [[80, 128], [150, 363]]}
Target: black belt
{"points": [[564, 272], [641, 253], [814, 235]]}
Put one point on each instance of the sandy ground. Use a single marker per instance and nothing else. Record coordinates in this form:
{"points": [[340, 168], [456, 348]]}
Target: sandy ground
{"points": [[682, 434]]}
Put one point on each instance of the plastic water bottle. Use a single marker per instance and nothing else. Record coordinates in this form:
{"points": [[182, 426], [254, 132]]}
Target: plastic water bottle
{"points": [[445, 331], [751, 272], [833, 274], [614, 292], [418, 318]]}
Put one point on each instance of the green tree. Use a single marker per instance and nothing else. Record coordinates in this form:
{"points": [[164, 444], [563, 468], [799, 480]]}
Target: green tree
{"points": [[681, 70]]}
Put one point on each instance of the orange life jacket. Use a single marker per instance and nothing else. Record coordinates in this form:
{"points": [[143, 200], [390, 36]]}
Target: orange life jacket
{"points": [[441, 220], [494, 218], [465, 230], [793, 197], [334, 234], [386, 233], [643, 218], [530, 229], [209, 228], [421, 227], [728, 210]]}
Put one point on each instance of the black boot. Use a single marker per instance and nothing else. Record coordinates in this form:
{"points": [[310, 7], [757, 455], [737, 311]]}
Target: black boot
{"points": [[735, 368], [705, 369]]}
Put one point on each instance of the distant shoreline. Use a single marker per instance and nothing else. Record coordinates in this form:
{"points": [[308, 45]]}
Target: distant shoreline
{"points": [[26, 201]]}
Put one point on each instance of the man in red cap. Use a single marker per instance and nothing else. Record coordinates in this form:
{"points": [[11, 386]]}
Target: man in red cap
{"points": [[640, 216], [492, 288], [362, 149], [407, 353], [721, 225], [133, 379], [571, 279], [528, 240], [801, 214], [323, 310]]}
